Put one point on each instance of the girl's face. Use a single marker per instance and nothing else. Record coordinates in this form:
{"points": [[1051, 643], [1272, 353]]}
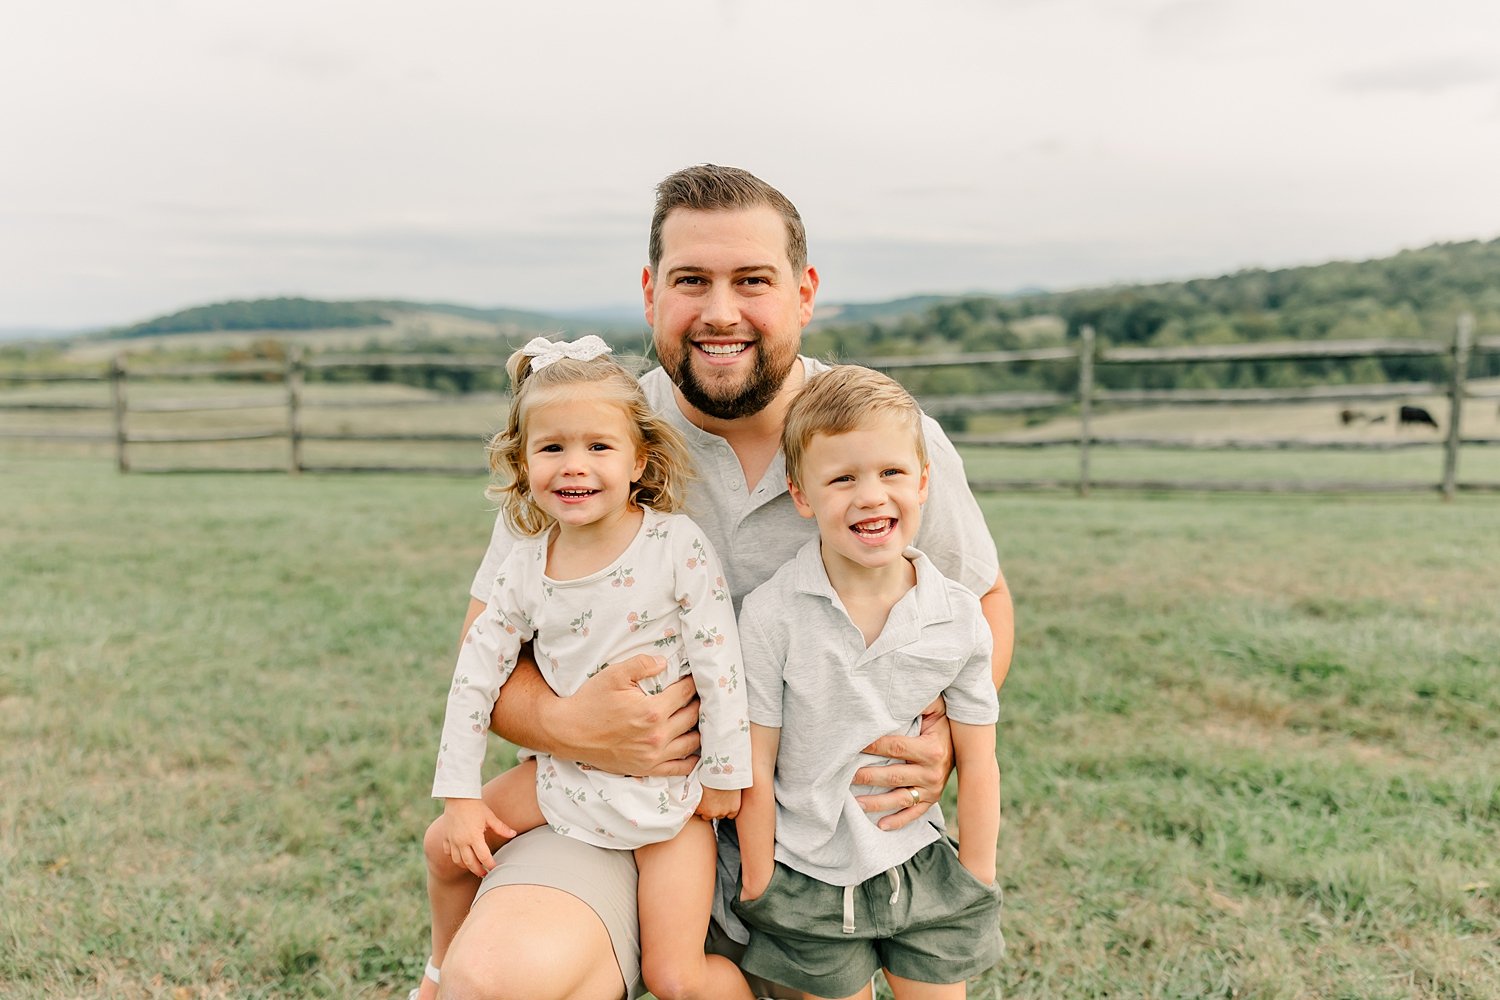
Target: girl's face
{"points": [[581, 457]]}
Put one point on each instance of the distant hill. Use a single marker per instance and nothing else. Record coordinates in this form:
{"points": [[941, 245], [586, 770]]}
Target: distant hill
{"points": [[302, 314]]}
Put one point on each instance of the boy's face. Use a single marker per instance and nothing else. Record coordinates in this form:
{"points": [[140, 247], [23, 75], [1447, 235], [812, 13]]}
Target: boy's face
{"points": [[865, 488]]}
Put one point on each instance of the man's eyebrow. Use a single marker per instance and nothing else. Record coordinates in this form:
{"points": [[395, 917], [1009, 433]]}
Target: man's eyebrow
{"points": [[699, 269]]}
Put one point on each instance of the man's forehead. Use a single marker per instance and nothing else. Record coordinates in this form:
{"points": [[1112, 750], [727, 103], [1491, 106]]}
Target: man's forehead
{"points": [[732, 237]]}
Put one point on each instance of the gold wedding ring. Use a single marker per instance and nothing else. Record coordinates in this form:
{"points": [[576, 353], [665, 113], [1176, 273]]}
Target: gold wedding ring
{"points": [[916, 796]]}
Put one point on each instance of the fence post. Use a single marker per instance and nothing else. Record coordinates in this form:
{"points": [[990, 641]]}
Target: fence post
{"points": [[294, 407], [1462, 336], [1085, 404], [117, 396]]}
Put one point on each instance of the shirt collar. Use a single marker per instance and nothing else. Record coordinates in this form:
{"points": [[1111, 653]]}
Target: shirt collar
{"points": [[932, 604]]}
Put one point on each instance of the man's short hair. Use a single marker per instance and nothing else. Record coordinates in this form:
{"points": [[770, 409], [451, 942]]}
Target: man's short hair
{"points": [[840, 400], [709, 187]]}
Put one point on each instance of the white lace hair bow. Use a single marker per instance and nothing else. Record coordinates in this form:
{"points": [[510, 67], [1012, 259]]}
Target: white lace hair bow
{"points": [[543, 351]]}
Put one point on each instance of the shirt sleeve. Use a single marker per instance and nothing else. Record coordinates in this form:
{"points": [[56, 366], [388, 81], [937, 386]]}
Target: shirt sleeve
{"points": [[712, 645], [954, 534], [971, 698], [502, 541], [485, 660], [764, 662]]}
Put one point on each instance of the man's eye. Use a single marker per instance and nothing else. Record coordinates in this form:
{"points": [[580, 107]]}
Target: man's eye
{"points": [[690, 279], [755, 280]]}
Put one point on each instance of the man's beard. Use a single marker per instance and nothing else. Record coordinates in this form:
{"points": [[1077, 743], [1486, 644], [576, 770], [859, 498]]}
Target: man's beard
{"points": [[760, 387]]}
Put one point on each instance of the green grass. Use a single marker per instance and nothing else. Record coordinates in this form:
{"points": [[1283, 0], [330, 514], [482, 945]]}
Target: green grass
{"points": [[1250, 745]]}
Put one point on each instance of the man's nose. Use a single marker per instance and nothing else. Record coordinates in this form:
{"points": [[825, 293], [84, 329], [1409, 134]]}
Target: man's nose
{"points": [[720, 308]]}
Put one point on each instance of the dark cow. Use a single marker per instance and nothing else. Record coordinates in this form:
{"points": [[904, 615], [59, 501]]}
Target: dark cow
{"points": [[1415, 415]]}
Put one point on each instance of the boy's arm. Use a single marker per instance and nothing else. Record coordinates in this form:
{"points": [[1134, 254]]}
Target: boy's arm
{"points": [[978, 798], [756, 823], [929, 757]]}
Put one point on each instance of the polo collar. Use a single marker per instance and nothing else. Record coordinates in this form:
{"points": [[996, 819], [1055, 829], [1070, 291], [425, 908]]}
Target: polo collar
{"points": [[931, 598]]}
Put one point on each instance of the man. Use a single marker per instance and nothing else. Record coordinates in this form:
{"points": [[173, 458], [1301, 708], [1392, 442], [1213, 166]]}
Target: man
{"points": [[727, 293]]}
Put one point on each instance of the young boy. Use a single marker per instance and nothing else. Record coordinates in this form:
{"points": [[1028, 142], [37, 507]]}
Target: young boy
{"points": [[848, 641]]}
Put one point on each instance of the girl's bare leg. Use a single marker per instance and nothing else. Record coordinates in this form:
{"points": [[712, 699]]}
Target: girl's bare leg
{"points": [[674, 898], [450, 887]]}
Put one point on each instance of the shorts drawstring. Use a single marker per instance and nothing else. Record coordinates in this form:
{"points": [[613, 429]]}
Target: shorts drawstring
{"points": [[893, 874]]}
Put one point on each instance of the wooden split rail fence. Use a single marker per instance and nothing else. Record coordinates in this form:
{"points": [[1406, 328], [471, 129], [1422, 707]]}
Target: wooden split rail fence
{"points": [[1087, 355]]}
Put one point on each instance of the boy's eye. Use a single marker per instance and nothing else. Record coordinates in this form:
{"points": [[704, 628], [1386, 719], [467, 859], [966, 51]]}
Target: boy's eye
{"points": [[894, 472], [842, 479]]}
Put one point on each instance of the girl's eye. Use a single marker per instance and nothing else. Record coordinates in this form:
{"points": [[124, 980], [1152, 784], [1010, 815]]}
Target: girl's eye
{"points": [[598, 446], [550, 448]]}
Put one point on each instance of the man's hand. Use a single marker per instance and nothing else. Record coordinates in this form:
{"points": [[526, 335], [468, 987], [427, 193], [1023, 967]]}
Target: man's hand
{"points": [[611, 724], [719, 803], [928, 760], [465, 822]]}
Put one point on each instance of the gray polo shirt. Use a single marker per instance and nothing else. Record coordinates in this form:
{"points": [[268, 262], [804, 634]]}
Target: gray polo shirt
{"points": [[809, 673], [755, 530]]}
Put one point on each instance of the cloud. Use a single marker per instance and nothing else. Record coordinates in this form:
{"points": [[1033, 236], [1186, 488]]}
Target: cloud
{"points": [[1425, 77]]}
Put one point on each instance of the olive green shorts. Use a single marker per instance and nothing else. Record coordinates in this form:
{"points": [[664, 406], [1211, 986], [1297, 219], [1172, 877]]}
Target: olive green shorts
{"points": [[927, 919]]}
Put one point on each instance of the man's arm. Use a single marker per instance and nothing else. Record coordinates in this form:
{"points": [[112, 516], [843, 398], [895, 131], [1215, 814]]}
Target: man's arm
{"points": [[608, 723], [929, 756], [1000, 613]]}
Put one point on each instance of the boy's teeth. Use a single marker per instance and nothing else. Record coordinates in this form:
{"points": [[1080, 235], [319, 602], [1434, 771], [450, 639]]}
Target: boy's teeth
{"points": [[873, 527]]}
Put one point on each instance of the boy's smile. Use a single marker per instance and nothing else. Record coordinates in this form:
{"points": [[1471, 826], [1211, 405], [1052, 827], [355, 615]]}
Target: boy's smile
{"points": [[866, 488]]}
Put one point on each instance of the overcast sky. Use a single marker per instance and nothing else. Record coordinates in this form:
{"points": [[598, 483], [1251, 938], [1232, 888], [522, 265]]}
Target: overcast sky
{"points": [[164, 154]]}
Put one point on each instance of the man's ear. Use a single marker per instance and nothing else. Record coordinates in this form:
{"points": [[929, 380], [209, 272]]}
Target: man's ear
{"points": [[648, 295], [807, 293], [799, 499]]}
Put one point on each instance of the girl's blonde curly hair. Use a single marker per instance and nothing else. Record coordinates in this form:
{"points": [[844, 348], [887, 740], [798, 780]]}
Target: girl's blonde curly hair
{"points": [[661, 483]]}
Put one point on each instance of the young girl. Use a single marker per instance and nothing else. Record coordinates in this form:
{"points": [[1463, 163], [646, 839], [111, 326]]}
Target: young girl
{"points": [[605, 569]]}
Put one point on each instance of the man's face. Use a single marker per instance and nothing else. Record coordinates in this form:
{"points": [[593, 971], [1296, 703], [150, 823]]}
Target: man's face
{"points": [[725, 308]]}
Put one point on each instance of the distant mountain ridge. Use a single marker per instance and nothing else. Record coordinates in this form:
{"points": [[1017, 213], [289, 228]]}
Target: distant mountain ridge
{"points": [[1411, 293]]}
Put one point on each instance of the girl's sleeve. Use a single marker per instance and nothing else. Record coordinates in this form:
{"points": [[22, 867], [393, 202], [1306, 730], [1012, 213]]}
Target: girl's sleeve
{"points": [[712, 646], [485, 660]]}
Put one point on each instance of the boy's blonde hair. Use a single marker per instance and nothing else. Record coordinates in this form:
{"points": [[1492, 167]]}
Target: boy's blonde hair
{"points": [[840, 400], [667, 470]]}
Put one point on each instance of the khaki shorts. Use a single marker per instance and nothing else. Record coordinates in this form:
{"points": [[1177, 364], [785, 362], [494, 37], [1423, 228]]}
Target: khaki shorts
{"points": [[927, 919], [601, 878]]}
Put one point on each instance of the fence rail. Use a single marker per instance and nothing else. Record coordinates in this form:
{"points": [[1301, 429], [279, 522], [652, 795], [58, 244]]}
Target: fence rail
{"points": [[289, 375]]}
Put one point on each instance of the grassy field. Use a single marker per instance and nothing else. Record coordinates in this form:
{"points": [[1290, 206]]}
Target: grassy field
{"points": [[1251, 745]]}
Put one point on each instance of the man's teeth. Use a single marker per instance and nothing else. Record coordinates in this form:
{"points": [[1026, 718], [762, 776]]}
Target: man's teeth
{"points": [[723, 350]]}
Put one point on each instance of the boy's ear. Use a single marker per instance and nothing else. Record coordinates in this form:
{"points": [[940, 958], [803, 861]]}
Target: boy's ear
{"points": [[922, 486], [799, 499]]}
